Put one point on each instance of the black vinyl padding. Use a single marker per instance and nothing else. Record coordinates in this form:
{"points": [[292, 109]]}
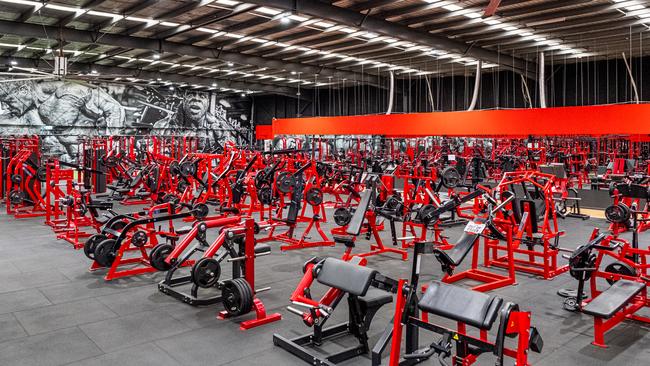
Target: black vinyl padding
{"points": [[610, 301], [345, 276], [460, 304], [354, 228], [262, 248], [460, 250], [375, 297], [348, 241]]}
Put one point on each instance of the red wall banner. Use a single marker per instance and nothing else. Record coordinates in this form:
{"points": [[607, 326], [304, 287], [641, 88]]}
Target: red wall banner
{"points": [[627, 119], [264, 132]]}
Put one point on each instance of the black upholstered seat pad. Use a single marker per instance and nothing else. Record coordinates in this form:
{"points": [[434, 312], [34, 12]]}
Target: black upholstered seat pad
{"points": [[345, 276], [376, 297], [613, 299], [470, 307]]}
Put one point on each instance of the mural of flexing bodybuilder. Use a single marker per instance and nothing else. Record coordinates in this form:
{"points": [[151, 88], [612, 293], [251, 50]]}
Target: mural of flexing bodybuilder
{"points": [[61, 111], [69, 109], [194, 117]]}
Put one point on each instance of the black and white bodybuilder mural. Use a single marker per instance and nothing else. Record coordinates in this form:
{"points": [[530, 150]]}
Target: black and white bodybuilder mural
{"points": [[60, 111]]}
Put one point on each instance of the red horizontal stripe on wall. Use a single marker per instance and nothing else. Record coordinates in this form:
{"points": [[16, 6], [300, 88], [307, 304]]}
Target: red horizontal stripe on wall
{"points": [[628, 119]]}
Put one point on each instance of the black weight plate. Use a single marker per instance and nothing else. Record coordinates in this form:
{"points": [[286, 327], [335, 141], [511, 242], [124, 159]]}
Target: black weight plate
{"points": [[200, 210], [450, 177], [265, 195], [285, 182], [262, 179], [314, 196], [342, 216], [619, 268], [158, 255], [206, 272], [16, 197], [41, 174], [237, 296], [174, 168], [617, 214], [139, 239], [91, 243], [105, 252]]}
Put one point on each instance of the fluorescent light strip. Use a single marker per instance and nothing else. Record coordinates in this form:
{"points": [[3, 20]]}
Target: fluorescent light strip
{"points": [[511, 28]]}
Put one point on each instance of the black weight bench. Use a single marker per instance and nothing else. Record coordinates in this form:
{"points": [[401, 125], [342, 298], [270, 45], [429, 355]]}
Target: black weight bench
{"points": [[363, 303], [612, 300], [460, 304]]}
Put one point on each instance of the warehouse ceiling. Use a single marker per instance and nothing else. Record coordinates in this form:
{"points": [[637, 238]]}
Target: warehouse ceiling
{"points": [[280, 46]]}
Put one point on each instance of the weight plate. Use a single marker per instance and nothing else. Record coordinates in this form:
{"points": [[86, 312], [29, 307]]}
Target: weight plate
{"points": [[237, 296], [174, 168], [314, 196], [105, 252], [206, 272], [265, 195], [618, 214], [41, 174], [342, 216], [427, 214], [139, 239], [619, 268], [262, 178], [285, 182], [200, 210], [16, 197], [450, 177], [158, 255], [91, 243]]}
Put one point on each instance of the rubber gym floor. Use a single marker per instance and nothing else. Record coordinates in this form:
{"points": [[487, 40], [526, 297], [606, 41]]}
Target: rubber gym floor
{"points": [[53, 311]]}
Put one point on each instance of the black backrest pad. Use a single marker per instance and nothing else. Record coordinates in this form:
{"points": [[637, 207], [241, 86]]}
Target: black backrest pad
{"points": [[462, 247], [354, 228], [345, 276], [460, 304]]}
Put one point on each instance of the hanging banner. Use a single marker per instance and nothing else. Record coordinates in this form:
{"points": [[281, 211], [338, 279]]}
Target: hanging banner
{"points": [[627, 119]]}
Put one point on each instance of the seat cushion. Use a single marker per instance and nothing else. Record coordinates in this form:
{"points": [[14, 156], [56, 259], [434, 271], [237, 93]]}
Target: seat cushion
{"points": [[375, 297], [348, 241], [470, 307], [610, 301], [346, 276]]}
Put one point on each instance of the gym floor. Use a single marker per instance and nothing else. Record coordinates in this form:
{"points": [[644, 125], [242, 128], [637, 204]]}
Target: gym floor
{"points": [[53, 311]]}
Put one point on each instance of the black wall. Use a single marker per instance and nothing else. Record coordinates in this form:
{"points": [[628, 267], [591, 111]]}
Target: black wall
{"points": [[567, 84]]}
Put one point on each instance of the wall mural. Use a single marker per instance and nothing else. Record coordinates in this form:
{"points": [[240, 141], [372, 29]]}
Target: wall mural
{"points": [[61, 111]]}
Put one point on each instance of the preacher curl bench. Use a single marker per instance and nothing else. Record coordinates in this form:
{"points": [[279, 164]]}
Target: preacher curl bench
{"points": [[343, 277]]}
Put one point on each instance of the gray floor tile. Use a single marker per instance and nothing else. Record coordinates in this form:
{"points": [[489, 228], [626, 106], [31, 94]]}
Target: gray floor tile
{"points": [[50, 349], [141, 355], [10, 328], [22, 300], [49, 318], [113, 334]]}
